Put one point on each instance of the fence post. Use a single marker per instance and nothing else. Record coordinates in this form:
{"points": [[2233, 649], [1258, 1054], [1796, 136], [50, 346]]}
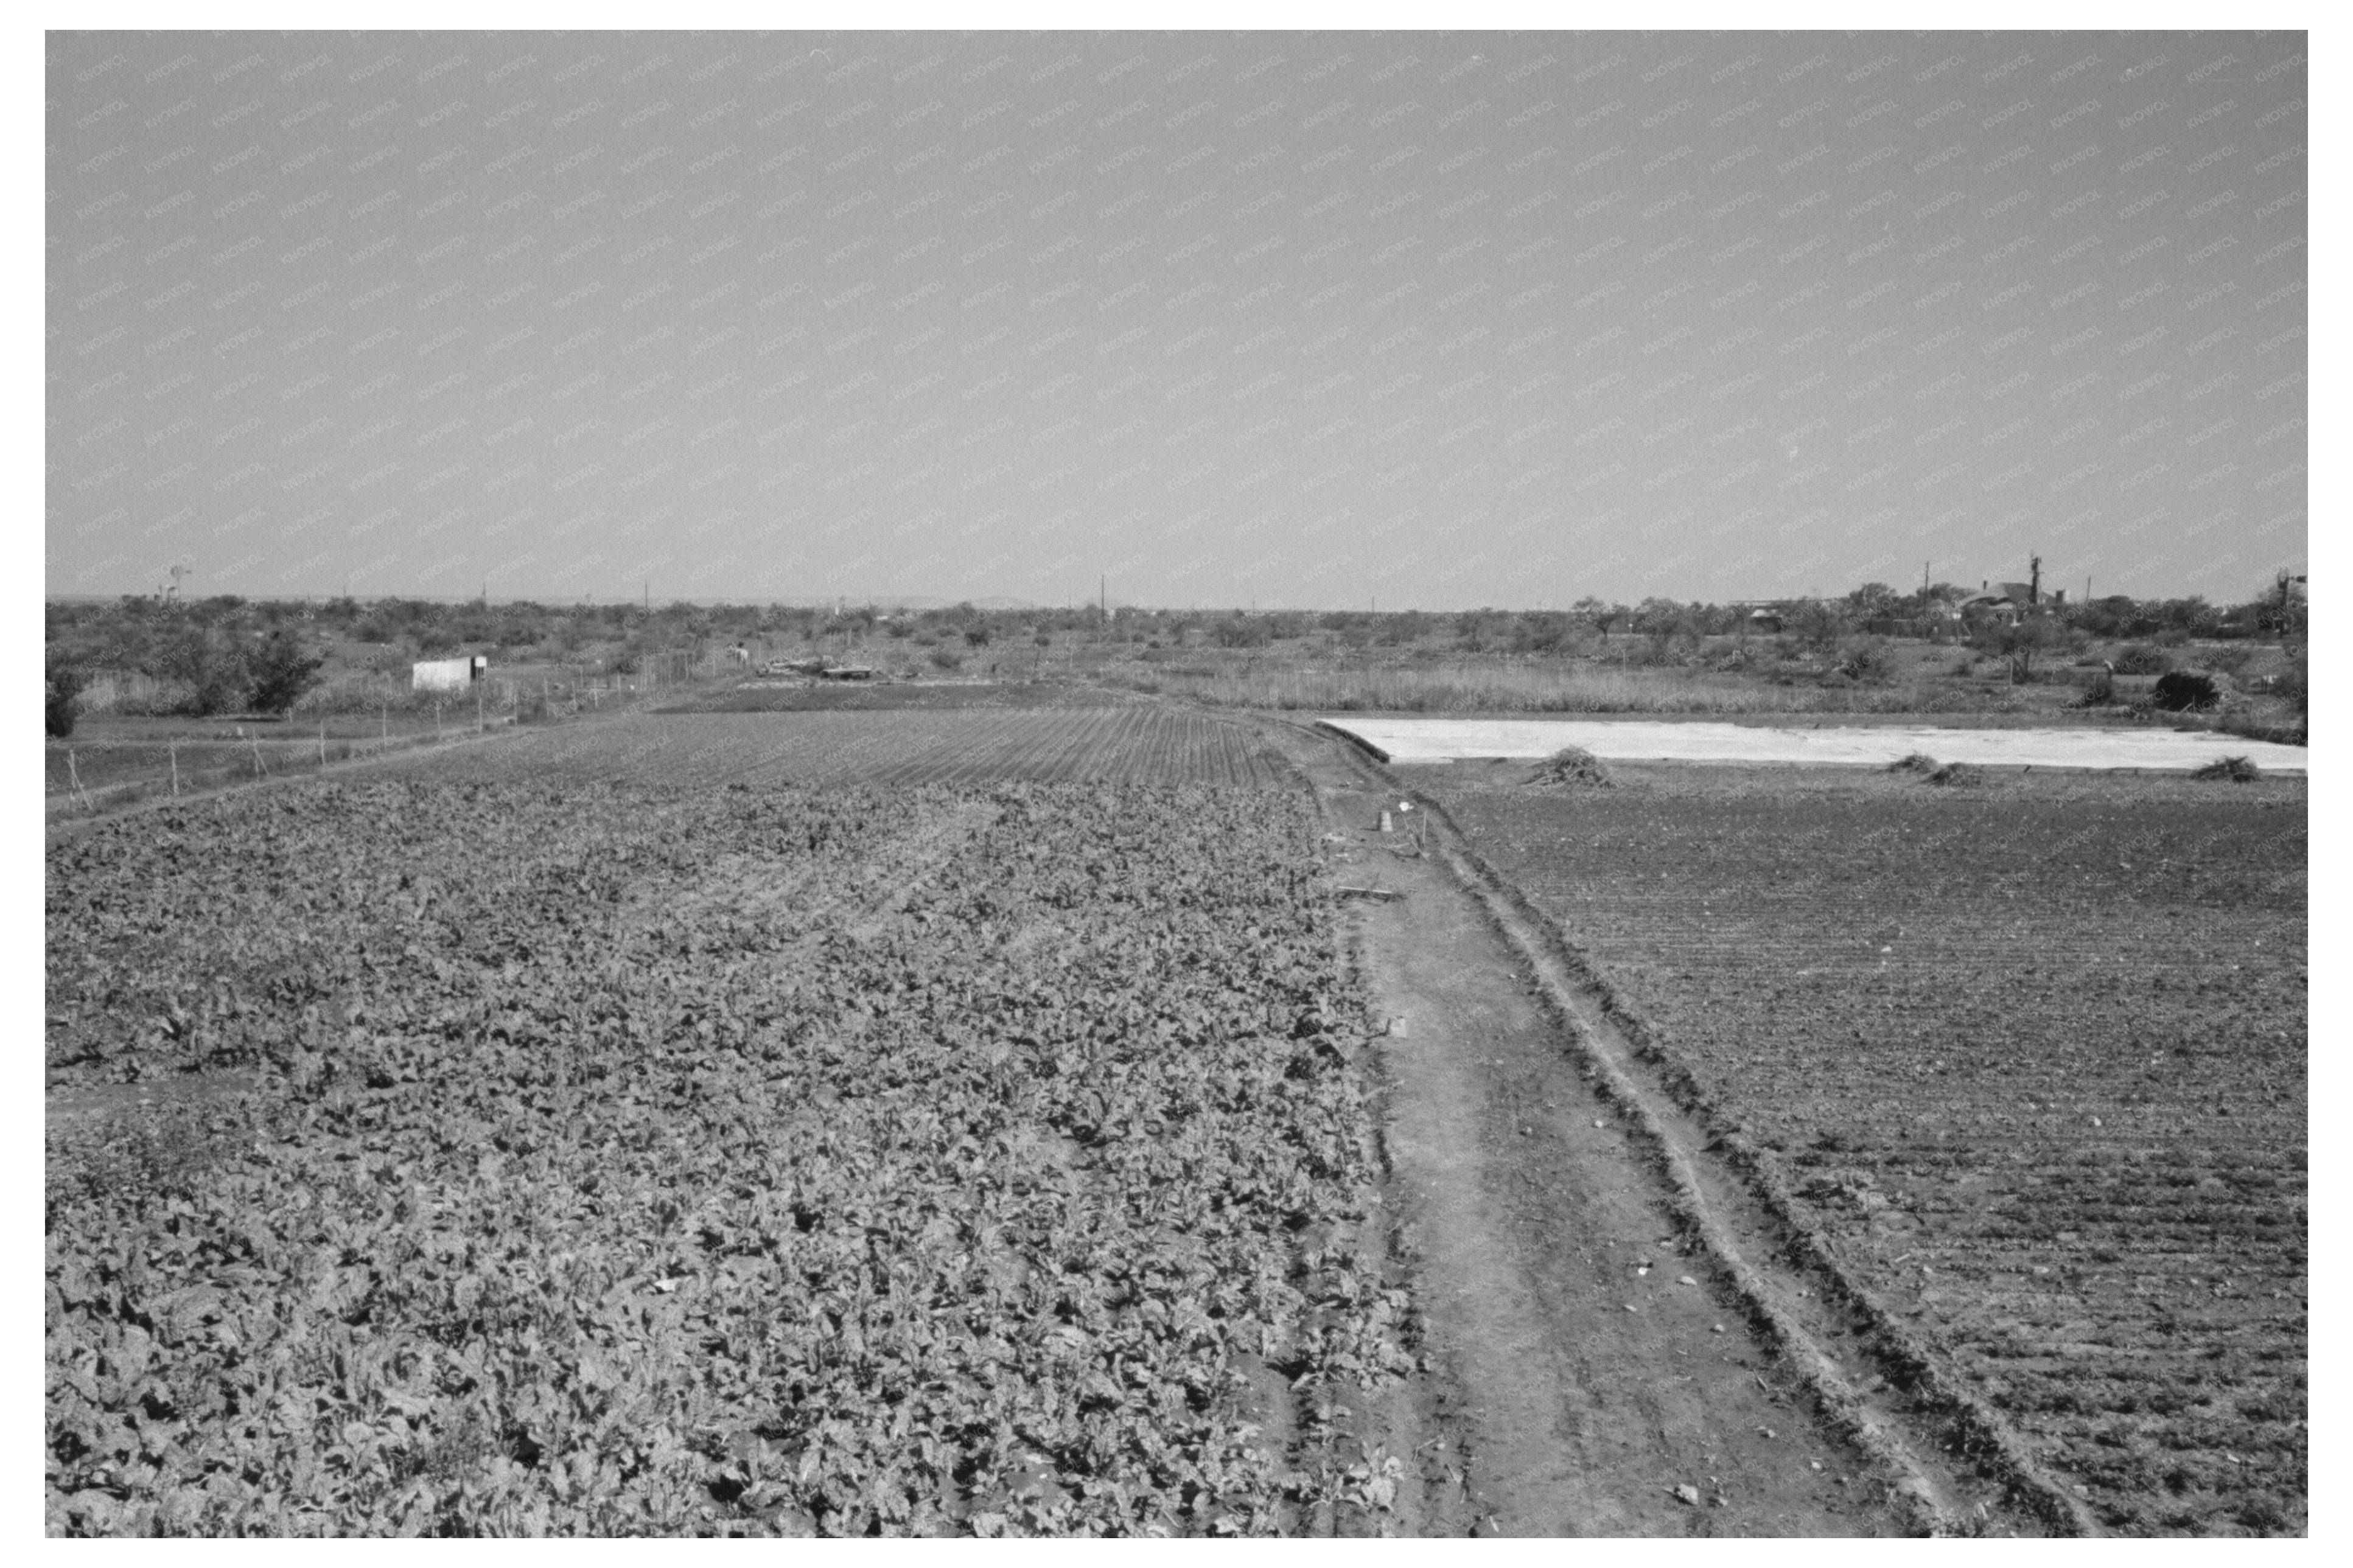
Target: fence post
{"points": [[74, 773], [174, 746]]}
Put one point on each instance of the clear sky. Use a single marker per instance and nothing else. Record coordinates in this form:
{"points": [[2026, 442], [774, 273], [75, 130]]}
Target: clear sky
{"points": [[1435, 320]]}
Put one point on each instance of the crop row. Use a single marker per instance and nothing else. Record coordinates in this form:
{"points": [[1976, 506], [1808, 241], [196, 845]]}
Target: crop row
{"points": [[1138, 743], [746, 1162], [2036, 1064]]}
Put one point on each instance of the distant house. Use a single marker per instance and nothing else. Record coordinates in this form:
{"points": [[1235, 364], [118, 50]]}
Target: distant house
{"points": [[2008, 600], [447, 674], [1767, 615]]}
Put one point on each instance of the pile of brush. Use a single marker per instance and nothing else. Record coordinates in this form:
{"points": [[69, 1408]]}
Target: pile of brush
{"points": [[1933, 772], [1573, 767]]}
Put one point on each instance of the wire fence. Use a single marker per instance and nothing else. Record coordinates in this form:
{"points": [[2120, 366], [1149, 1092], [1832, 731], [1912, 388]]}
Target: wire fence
{"points": [[97, 774]]}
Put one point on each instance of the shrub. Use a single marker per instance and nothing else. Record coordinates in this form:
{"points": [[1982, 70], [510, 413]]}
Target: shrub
{"points": [[947, 661], [1865, 659], [2294, 682], [66, 681], [1956, 773], [281, 672], [1573, 766], [209, 666], [1732, 661], [2182, 691], [2141, 658], [976, 637], [1918, 762], [2230, 662], [2237, 770], [2021, 642], [2100, 693]]}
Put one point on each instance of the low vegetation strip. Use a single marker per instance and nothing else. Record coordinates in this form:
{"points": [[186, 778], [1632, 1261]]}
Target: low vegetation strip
{"points": [[734, 1162], [1135, 742], [2031, 1057]]}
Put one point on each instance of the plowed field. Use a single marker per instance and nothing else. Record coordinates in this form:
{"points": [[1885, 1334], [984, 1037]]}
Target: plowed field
{"points": [[1129, 744], [2034, 1056]]}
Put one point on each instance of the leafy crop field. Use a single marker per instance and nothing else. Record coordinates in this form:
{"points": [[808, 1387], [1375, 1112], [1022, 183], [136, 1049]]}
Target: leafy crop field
{"points": [[628, 1160], [2033, 1053], [1128, 743]]}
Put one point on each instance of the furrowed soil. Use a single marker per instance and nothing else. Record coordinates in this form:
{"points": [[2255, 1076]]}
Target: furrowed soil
{"points": [[1586, 1359], [2029, 1056], [929, 744], [792, 695]]}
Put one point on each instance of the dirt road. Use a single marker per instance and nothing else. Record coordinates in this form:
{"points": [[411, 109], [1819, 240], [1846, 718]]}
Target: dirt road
{"points": [[1608, 1366]]}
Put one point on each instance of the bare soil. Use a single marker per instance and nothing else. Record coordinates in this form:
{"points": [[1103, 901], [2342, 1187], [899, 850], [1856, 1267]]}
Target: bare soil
{"points": [[1588, 1355]]}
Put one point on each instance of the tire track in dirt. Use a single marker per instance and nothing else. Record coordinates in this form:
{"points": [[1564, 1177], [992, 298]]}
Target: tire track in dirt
{"points": [[1531, 1160]]}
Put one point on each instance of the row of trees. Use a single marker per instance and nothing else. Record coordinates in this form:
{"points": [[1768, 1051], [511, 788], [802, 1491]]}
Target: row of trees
{"points": [[136, 626], [222, 670]]}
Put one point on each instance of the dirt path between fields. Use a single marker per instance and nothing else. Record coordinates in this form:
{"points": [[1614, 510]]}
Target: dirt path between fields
{"points": [[1614, 1353]]}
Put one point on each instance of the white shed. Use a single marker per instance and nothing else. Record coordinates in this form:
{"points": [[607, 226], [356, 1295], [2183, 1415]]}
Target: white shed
{"points": [[447, 674]]}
